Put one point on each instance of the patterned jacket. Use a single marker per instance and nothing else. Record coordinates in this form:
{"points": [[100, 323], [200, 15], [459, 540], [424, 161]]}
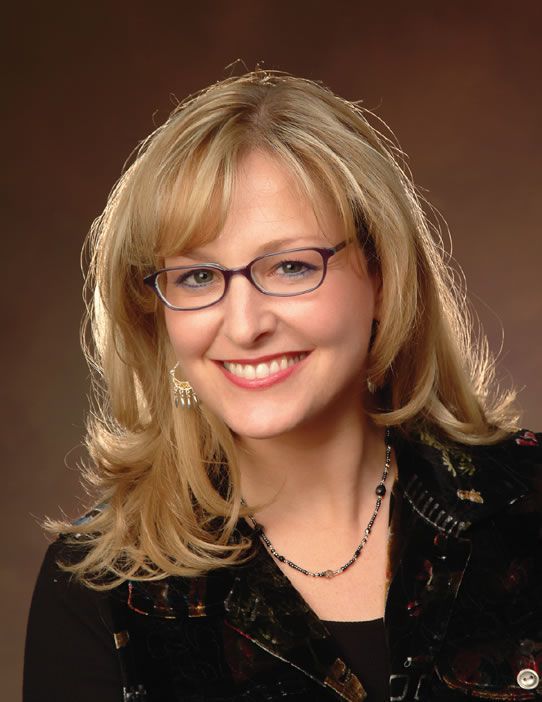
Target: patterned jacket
{"points": [[463, 612]]}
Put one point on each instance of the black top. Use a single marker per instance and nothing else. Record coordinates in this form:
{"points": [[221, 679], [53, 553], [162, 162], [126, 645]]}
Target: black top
{"points": [[364, 649], [70, 651]]}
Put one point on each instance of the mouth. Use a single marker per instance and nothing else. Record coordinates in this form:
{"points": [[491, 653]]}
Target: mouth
{"points": [[259, 369]]}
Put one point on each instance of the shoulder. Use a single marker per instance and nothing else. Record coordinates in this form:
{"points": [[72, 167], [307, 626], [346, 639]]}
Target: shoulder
{"points": [[512, 467], [519, 454], [59, 588], [517, 451], [470, 483], [59, 591], [521, 457]]}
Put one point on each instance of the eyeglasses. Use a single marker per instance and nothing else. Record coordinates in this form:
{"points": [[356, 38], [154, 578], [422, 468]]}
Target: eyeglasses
{"points": [[282, 274]]}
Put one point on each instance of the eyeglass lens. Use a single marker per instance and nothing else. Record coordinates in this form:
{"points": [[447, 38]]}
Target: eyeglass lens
{"points": [[290, 273]]}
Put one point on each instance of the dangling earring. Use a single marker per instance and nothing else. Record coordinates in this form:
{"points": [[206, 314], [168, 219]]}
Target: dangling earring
{"points": [[183, 392], [371, 387]]}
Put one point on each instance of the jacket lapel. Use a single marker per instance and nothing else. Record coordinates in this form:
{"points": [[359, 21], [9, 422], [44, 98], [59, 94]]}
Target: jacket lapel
{"points": [[263, 606], [256, 602]]}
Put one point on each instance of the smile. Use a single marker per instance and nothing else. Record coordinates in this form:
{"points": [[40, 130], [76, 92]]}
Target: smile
{"points": [[252, 371]]}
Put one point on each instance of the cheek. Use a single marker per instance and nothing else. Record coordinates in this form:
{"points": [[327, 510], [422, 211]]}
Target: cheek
{"points": [[347, 314], [190, 335]]}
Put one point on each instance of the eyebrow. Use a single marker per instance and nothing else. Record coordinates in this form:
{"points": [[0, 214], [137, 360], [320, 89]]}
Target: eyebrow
{"points": [[271, 246]]}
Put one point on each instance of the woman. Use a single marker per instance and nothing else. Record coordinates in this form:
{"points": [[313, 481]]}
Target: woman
{"points": [[306, 487]]}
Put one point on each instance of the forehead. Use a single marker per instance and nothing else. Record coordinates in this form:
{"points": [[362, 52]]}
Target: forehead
{"points": [[262, 207], [268, 200]]}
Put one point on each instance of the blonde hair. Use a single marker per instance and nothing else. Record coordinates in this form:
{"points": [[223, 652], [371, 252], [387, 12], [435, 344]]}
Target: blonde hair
{"points": [[168, 479]]}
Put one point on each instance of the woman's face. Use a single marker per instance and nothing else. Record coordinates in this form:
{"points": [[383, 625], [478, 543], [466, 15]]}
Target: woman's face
{"points": [[329, 328]]}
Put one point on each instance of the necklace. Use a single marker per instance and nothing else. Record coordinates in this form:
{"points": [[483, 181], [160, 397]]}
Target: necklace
{"points": [[380, 491]]}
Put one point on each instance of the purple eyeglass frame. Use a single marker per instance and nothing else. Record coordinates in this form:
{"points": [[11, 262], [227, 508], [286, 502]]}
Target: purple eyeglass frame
{"points": [[246, 271]]}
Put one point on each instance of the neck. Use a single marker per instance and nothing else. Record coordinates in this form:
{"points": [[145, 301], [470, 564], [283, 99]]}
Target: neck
{"points": [[324, 473]]}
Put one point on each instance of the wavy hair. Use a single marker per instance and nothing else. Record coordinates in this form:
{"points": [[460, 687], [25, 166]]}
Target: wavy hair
{"points": [[168, 479]]}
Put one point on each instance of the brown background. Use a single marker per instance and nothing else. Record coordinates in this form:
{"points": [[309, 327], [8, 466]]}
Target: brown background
{"points": [[459, 82]]}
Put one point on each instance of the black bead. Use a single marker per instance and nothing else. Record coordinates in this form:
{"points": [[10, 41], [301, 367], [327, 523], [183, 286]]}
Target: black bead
{"points": [[281, 559], [380, 490]]}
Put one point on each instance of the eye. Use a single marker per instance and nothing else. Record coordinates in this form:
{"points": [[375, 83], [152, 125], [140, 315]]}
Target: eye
{"points": [[290, 268], [197, 278]]}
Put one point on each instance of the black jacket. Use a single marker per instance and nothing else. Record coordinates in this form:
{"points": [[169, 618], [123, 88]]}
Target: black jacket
{"points": [[463, 612]]}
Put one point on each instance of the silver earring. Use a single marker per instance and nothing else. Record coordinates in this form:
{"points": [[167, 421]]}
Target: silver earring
{"points": [[183, 392]]}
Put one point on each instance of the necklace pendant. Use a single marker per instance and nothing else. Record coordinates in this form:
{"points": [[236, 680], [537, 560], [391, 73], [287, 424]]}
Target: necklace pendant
{"points": [[328, 574]]}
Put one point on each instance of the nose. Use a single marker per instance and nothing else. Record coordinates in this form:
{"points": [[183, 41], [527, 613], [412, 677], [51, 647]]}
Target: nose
{"points": [[248, 315]]}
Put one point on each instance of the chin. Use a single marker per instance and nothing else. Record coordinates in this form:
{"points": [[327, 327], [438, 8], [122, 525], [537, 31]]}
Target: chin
{"points": [[254, 430], [261, 425]]}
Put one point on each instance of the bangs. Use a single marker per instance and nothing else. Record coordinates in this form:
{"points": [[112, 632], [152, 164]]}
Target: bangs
{"points": [[194, 203], [323, 184]]}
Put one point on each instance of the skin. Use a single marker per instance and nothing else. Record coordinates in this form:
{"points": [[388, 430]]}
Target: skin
{"points": [[314, 420]]}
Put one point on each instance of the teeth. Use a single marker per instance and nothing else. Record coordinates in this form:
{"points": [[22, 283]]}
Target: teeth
{"points": [[262, 370], [249, 372]]}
